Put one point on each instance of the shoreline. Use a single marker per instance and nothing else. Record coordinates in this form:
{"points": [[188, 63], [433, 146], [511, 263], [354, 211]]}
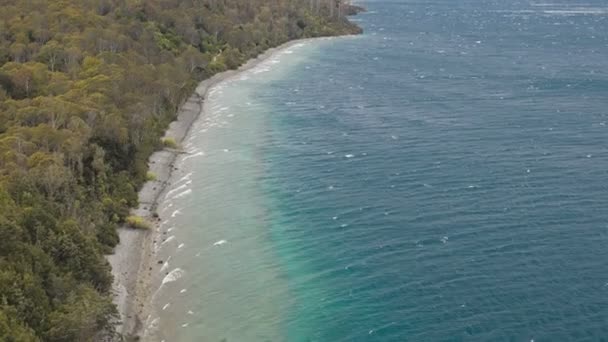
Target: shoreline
{"points": [[132, 259]]}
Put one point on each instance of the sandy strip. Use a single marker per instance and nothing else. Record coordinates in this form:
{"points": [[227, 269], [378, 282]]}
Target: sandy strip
{"points": [[132, 258]]}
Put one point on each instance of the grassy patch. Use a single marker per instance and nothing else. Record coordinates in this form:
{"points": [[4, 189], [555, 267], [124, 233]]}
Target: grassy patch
{"points": [[137, 222], [169, 143], [150, 176]]}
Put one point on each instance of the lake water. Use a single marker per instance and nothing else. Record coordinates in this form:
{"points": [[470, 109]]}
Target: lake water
{"points": [[442, 177]]}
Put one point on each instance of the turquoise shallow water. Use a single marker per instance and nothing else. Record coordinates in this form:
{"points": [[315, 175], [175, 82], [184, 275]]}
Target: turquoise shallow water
{"points": [[440, 178]]}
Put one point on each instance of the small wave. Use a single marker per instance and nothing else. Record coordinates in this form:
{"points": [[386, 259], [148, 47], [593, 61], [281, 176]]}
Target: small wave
{"points": [[578, 11], [183, 291], [349, 155], [172, 191], [165, 265], [154, 324], [181, 245], [192, 137], [197, 154], [175, 213], [182, 194], [166, 306], [169, 239], [220, 242], [261, 70], [173, 276], [185, 178]]}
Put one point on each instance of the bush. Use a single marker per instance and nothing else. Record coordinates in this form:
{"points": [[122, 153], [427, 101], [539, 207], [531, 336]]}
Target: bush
{"points": [[169, 143], [108, 236], [137, 222], [214, 67], [150, 176]]}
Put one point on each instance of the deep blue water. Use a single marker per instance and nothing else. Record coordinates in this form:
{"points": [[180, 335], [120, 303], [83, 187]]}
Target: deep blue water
{"points": [[444, 176]]}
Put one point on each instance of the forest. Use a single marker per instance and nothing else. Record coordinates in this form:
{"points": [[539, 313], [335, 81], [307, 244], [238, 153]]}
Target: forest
{"points": [[87, 88]]}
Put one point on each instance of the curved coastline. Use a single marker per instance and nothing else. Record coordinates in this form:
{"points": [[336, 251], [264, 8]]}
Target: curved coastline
{"points": [[133, 256]]}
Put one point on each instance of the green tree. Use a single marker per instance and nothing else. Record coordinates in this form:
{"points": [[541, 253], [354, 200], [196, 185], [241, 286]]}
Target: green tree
{"points": [[87, 89]]}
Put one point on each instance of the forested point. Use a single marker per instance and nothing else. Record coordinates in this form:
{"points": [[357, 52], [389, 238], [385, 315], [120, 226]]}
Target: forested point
{"points": [[87, 88]]}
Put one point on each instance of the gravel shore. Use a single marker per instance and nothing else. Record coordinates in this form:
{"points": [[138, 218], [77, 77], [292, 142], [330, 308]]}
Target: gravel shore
{"points": [[132, 258]]}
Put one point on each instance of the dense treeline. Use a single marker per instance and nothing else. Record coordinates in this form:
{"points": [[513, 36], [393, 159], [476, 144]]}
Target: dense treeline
{"points": [[86, 89]]}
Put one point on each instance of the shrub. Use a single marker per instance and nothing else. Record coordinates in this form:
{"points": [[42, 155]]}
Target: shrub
{"points": [[169, 142], [137, 222], [150, 176]]}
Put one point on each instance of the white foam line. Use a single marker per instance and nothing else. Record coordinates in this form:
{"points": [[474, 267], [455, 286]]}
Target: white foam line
{"points": [[197, 154], [173, 276], [154, 323], [165, 265], [169, 239], [182, 194], [169, 193], [185, 178]]}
